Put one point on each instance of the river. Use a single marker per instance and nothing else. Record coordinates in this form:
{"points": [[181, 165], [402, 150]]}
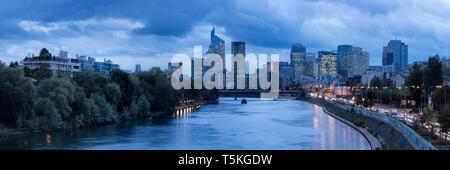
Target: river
{"points": [[261, 124]]}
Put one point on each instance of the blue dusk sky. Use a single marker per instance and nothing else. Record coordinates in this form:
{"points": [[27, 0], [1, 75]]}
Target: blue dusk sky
{"points": [[151, 32]]}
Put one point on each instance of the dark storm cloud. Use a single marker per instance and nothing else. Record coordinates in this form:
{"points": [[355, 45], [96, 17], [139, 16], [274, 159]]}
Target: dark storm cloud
{"points": [[163, 27], [164, 17]]}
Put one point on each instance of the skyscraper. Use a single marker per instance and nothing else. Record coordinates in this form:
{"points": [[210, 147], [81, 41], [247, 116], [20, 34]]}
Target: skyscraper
{"points": [[286, 74], [342, 59], [217, 46], [237, 47], [396, 54], [138, 68], [358, 62], [352, 61], [310, 60], [298, 52], [328, 63]]}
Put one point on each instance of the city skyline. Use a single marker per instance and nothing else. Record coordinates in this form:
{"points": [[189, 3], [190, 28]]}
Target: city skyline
{"points": [[135, 37], [195, 77]]}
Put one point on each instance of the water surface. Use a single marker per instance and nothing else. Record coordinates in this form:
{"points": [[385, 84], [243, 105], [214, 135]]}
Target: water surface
{"points": [[280, 124]]}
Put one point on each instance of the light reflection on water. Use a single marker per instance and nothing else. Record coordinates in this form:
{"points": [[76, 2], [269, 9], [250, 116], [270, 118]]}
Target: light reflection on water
{"points": [[281, 124]]}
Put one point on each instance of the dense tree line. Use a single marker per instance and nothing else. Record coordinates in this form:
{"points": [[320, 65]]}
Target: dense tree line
{"points": [[88, 98]]}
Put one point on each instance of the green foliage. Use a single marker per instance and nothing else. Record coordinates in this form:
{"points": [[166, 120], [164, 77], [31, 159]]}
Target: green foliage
{"points": [[45, 53], [17, 96], [433, 73], [415, 78], [43, 72], [113, 93], [133, 110], [92, 82], [143, 106], [13, 64], [376, 82], [158, 90], [79, 105], [441, 96], [59, 91], [90, 98], [387, 83], [127, 88], [444, 119], [99, 110], [47, 113], [427, 115], [27, 72]]}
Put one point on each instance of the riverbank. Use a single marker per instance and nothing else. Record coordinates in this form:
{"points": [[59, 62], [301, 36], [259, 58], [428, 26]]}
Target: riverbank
{"points": [[373, 141], [7, 131], [228, 125], [391, 134]]}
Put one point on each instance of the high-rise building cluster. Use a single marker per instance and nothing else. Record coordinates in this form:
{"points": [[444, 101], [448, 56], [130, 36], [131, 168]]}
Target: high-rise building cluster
{"points": [[346, 61]]}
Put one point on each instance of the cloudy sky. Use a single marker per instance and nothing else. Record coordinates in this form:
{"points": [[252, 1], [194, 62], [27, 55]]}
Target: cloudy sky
{"points": [[151, 32]]}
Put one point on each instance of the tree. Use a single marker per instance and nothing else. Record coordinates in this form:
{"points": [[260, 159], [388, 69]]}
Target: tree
{"points": [[43, 72], [79, 105], [13, 64], [45, 54], [105, 112], [433, 73], [127, 87], [427, 115], [441, 97], [376, 82], [99, 110], [46, 113], [92, 82], [112, 93], [17, 96], [143, 106], [386, 82], [59, 91], [444, 119], [27, 72], [415, 79], [157, 88]]}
